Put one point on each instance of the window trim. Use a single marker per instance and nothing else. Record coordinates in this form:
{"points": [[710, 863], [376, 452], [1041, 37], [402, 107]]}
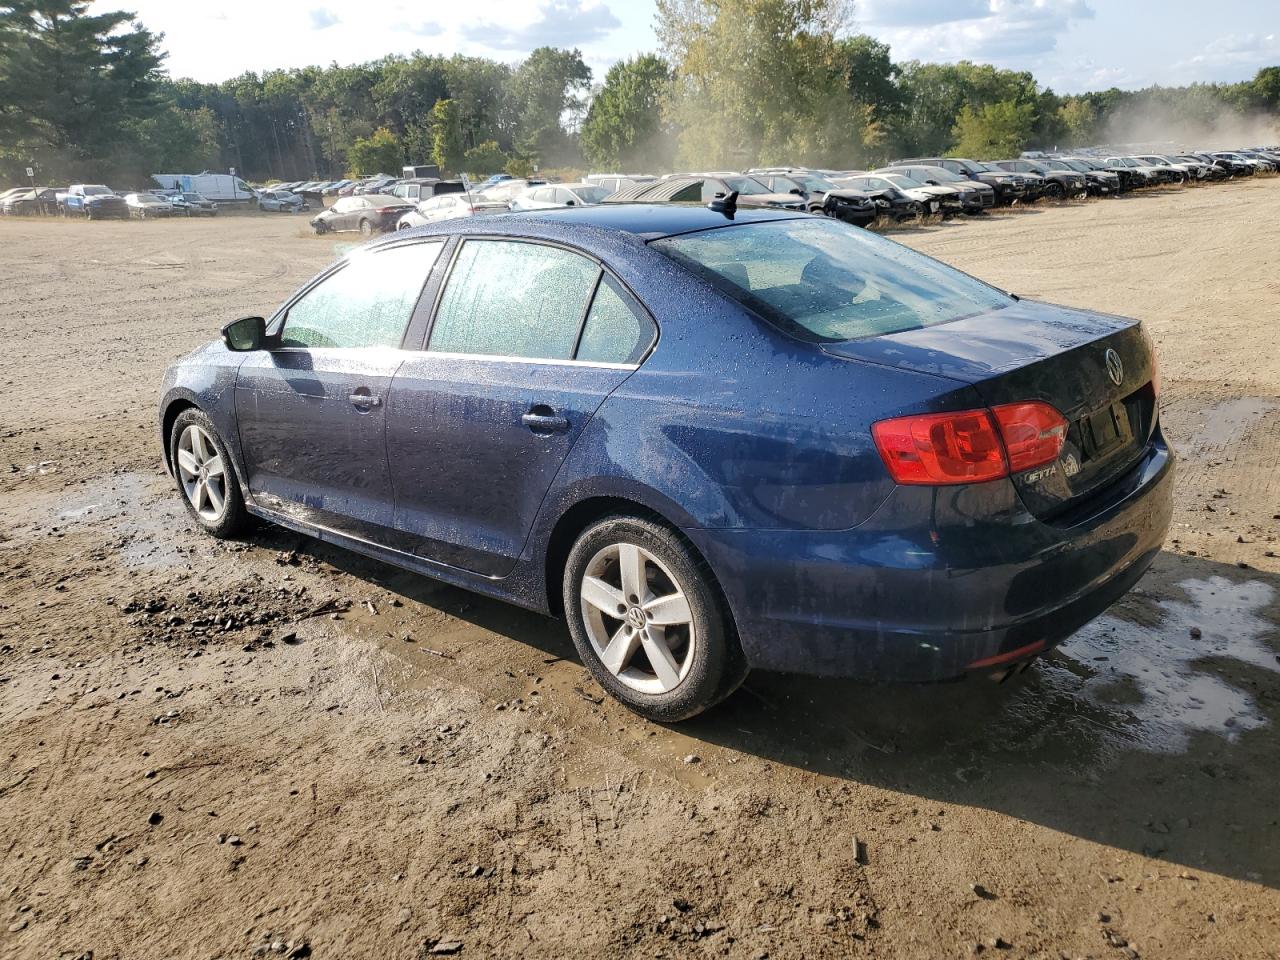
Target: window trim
{"points": [[445, 274]]}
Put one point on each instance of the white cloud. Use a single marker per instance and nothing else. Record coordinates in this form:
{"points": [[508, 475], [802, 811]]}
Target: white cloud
{"points": [[322, 19], [558, 23], [996, 30], [1230, 56]]}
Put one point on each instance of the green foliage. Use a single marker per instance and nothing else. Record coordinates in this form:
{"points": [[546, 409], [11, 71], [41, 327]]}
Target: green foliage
{"points": [[519, 167], [446, 136], [761, 81], [484, 159], [994, 131], [624, 129], [381, 152], [83, 96], [73, 85]]}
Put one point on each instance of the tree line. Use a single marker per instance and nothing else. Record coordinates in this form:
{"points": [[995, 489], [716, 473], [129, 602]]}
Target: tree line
{"points": [[735, 83]]}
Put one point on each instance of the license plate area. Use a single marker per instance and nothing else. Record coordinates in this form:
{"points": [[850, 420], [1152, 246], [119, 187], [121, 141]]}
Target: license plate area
{"points": [[1105, 431]]}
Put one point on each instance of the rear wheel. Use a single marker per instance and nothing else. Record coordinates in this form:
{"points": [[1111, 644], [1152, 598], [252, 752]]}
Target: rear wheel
{"points": [[648, 621], [205, 475]]}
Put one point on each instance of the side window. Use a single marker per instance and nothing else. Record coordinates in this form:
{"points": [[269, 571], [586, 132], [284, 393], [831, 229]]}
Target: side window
{"points": [[512, 299], [367, 303], [617, 329]]}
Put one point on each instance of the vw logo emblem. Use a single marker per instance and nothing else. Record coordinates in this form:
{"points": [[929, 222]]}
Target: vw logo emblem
{"points": [[635, 617], [1115, 367]]}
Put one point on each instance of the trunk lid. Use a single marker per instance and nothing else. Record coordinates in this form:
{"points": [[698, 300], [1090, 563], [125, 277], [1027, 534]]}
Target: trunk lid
{"points": [[1066, 358]]}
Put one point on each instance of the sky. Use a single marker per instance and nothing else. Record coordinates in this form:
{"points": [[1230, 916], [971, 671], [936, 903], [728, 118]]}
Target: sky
{"points": [[1070, 45]]}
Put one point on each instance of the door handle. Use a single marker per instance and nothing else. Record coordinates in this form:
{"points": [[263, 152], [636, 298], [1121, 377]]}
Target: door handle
{"points": [[365, 400], [542, 419]]}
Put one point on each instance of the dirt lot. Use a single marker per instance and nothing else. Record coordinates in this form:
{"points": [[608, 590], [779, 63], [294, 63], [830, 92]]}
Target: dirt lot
{"points": [[220, 751]]}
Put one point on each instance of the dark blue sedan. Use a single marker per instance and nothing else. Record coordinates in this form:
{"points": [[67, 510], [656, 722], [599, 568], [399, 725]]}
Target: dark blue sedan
{"points": [[710, 441]]}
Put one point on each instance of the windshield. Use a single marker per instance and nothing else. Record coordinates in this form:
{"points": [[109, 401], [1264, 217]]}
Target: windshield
{"points": [[813, 182], [746, 185], [193, 197], [592, 194], [827, 281], [1079, 165], [902, 180], [95, 191], [940, 173]]}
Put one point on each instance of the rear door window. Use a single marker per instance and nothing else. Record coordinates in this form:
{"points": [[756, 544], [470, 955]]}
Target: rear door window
{"points": [[617, 329], [366, 303], [513, 299]]}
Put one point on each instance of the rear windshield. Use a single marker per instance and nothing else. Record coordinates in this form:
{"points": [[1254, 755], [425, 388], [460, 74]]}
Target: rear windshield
{"points": [[827, 281]]}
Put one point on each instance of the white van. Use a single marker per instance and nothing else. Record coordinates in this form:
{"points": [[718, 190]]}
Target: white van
{"points": [[220, 187]]}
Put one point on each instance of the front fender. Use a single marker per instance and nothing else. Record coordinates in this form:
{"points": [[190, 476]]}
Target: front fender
{"points": [[204, 379]]}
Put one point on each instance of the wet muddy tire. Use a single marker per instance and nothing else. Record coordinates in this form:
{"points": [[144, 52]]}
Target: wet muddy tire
{"points": [[366, 228], [205, 476], [649, 621]]}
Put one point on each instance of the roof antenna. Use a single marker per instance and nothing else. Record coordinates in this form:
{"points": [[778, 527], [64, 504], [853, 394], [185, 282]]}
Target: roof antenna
{"points": [[727, 204]]}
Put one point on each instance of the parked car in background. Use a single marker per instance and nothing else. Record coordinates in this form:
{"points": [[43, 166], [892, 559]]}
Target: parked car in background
{"points": [[1098, 182], [367, 214], [950, 200], [332, 189], [1058, 183], [508, 190], [1130, 178], [975, 197], [29, 202], [892, 202], [281, 201], [554, 427], [374, 185], [1190, 169], [425, 189], [1007, 187], [614, 182], [903, 201], [1146, 173], [219, 187], [143, 206], [193, 205], [449, 206], [704, 188], [559, 195], [1213, 169], [1255, 164], [93, 201]]}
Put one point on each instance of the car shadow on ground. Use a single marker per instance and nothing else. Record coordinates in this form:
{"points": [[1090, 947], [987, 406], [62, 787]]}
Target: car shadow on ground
{"points": [[1151, 730]]}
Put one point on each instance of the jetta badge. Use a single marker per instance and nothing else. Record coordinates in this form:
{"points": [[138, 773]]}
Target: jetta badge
{"points": [[1115, 367]]}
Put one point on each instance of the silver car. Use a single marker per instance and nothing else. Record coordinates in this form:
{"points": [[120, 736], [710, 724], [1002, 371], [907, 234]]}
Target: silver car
{"points": [[560, 195], [281, 201], [449, 206]]}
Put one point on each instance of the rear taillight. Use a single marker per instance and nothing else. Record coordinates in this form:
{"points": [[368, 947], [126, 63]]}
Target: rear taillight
{"points": [[1033, 433], [971, 446], [941, 448]]}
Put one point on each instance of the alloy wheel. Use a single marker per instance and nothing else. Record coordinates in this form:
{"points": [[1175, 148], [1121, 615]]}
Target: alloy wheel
{"points": [[638, 618], [202, 473]]}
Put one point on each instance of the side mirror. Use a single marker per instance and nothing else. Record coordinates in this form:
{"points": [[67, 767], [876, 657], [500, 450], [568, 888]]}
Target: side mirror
{"points": [[247, 333], [570, 203], [797, 191]]}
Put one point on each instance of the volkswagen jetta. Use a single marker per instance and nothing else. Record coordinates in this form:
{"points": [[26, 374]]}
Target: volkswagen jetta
{"points": [[710, 439]]}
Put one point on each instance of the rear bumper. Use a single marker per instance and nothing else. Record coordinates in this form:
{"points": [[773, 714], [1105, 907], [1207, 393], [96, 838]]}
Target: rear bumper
{"points": [[924, 591]]}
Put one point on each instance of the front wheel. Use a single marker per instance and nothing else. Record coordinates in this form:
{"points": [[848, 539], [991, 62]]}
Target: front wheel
{"points": [[206, 476], [648, 620], [366, 228]]}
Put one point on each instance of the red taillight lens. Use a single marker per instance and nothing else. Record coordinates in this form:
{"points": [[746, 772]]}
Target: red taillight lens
{"points": [[1033, 433], [941, 448], [971, 446]]}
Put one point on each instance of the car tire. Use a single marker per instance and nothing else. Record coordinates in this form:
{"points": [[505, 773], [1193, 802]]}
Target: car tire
{"points": [[700, 661], [320, 228], [194, 447], [1055, 191], [366, 228]]}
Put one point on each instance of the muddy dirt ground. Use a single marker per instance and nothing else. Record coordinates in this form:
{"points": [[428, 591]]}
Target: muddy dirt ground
{"points": [[275, 748]]}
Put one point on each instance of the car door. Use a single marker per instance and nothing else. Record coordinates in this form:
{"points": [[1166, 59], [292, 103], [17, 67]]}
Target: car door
{"points": [[312, 410], [527, 341]]}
